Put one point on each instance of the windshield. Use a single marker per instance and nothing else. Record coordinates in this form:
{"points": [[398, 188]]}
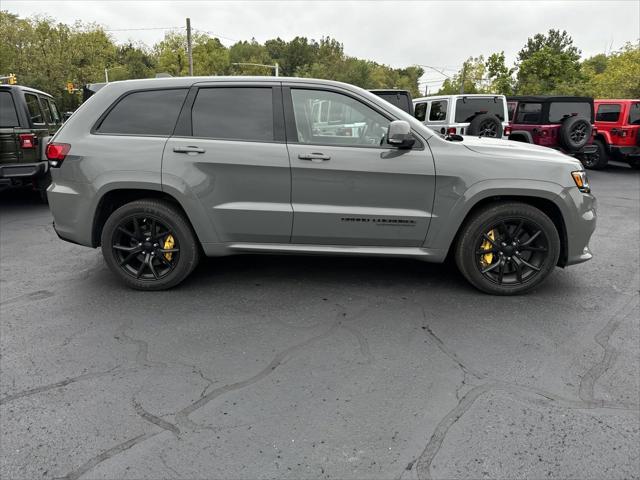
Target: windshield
{"points": [[469, 107]]}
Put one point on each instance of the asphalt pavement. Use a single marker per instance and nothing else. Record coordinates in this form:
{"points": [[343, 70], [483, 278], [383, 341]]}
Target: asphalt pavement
{"points": [[316, 367]]}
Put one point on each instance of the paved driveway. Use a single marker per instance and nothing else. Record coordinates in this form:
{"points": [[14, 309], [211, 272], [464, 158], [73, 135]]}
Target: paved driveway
{"points": [[296, 367]]}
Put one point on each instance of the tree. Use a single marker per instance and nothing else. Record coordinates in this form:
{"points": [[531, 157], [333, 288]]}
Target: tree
{"points": [[549, 64], [616, 75], [472, 73], [499, 75]]}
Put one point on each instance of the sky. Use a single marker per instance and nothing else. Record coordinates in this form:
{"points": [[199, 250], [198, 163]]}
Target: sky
{"points": [[435, 33]]}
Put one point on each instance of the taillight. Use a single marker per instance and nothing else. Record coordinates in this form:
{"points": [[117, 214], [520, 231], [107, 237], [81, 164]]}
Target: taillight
{"points": [[56, 153], [27, 140], [624, 133], [507, 131], [451, 130], [594, 131]]}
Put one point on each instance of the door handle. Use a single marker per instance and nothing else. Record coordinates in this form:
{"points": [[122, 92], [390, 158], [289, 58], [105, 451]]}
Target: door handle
{"points": [[314, 157], [188, 149]]}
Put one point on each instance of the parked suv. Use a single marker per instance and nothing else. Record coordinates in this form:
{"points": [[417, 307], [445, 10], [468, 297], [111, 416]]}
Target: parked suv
{"points": [[563, 123], [618, 133], [160, 171], [475, 115], [28, 118]]}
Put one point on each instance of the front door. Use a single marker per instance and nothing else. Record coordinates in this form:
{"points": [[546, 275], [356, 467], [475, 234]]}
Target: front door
{"points": [[348, 186], [232, 156]]}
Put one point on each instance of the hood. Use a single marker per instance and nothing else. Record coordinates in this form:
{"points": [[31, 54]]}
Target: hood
{"points": [[512, 149]]}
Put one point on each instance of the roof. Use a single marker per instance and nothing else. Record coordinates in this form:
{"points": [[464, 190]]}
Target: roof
{"points": [[388, 90], [615, 100], [546, 98], [457, 95], [26, 89]]}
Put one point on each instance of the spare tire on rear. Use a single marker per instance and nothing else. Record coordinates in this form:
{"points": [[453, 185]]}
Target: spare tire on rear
{"points": [[575, 133], [485, 125]]}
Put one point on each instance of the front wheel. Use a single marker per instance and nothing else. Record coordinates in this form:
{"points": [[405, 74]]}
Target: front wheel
{"points": [[507, 249], [597, 160], [149, 245]]}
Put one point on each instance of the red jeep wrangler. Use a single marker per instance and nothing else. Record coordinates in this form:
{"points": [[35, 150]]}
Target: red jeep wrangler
{"points": [[618, 136], [563, 123]]}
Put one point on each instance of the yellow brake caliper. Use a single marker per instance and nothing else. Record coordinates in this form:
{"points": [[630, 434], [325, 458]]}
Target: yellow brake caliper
{"points": [[169, 243], [487, 258]]}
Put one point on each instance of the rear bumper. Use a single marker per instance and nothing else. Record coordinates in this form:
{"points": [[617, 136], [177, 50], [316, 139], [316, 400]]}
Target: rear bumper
{"points": [[23, 170], [627, 151], [587, 150]]}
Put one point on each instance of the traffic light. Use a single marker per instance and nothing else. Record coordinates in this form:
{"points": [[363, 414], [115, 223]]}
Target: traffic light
{"points": [[12, 79], [70, 87]]}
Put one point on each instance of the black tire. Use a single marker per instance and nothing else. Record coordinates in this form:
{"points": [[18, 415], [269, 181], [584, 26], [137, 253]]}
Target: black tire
{"points": [[158, 272], [575, 133], [635, 165], [597, 160], [485, 125], [513, 277]]}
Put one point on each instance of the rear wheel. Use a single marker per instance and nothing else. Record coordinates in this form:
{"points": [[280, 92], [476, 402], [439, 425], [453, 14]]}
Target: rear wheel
{"points": [[597, 160], [149, 244], [507, 249]]}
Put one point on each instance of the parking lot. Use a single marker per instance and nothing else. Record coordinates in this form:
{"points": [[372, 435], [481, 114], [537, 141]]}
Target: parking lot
{"points": [[309, 367]]}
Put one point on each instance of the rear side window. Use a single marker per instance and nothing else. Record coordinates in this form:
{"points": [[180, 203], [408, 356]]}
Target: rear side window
{"points": [[399, 99], [54, 111], [511, 109], [529, 113], [8, 114], [421, 111], [46, 109], [438, 111], [234, 113], [608, 112], [469, 107], [634, 114], [152, 112], [33, 105], [560, 110]]}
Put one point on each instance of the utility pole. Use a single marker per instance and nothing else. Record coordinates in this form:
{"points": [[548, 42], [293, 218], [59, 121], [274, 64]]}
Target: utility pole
{"points": [[106, 75], [464, 71], [189, 47], [277, 69]]}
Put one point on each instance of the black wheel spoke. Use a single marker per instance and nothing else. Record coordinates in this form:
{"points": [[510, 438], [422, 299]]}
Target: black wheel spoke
{"points": [[488, 239], [516, 232], [127, 249], [532, 238], [490, 250], [126, 232], [128, 258], [152, 268], [501, 272], [136, 227], [533, 249], [168, 250], [161, 235], [491, 267], [143, 264], [527, 264], [153, 228], [518, 267], [165, 261]]}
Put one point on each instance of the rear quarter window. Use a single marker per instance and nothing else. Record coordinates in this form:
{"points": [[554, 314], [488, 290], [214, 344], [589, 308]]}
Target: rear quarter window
{"points": [[560, 110], [529, 113], [438, 112], [8, 114], [634, 114], [151, 112], [399, 99], [33, 105], [608, 112], [421, 111]]}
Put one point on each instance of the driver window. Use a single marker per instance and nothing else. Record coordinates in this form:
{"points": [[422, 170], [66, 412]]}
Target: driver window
{"points": [[329, 118]]}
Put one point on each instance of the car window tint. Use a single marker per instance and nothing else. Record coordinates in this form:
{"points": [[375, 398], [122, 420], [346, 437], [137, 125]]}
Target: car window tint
{"points": [[469, 107], [8, 114], [152, 112], [234, 113], [46, 110], [399, 99], [438, 111], [560, 110], [634, 114], [33, 105], [54, 111], [528, 113], [420, 111], [349, 123], [608, 112]]}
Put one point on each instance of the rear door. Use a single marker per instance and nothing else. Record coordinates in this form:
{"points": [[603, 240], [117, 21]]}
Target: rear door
{"points": [[229, 152], [9, 121], [348, 186]]}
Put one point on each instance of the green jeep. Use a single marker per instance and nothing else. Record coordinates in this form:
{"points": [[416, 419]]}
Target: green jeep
{"points": [[28, 118]]}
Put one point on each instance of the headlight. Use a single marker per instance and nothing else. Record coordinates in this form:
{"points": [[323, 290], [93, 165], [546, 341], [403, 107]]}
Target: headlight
{"points": [[582, 182]]}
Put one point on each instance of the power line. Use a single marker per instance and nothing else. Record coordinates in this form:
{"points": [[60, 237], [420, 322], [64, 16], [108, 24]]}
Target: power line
{"points": [[139, 29]]}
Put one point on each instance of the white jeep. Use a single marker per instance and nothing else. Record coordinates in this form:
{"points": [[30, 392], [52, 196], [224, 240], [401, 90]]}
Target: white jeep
{"points": [[480, 115]]}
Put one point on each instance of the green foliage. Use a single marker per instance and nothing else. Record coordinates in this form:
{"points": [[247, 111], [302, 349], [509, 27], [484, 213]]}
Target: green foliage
{"points": [[616, 75]]}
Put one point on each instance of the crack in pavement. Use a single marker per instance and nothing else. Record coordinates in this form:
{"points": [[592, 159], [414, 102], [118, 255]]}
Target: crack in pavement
{"points": [[142, 354], [149, 417], [589, 379], [363, 344], [62, 383], [182, 417]]}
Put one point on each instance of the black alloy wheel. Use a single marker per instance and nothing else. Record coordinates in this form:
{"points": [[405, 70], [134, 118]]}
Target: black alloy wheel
{"points": [[488, 129], [512, 252], [145, 248]]}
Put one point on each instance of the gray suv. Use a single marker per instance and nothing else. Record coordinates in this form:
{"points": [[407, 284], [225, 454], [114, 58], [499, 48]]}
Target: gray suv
{"points": [[159, 172]]}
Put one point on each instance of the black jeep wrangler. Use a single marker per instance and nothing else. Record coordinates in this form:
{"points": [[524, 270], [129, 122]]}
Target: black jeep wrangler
{"points": [[28, 118]]}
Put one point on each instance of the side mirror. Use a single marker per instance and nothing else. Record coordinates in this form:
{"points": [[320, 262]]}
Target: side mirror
{"points": [[399, 134]]}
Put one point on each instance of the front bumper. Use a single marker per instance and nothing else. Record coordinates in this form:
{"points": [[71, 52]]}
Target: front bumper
{"points": [[23, 170], [580, 222]]}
